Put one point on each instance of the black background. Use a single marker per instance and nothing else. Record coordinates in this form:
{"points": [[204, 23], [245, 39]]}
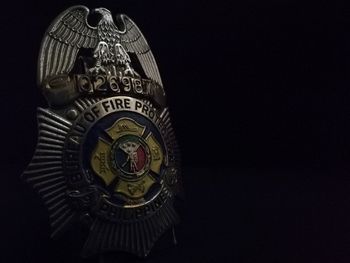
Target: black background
{"points": [[259, 94]]}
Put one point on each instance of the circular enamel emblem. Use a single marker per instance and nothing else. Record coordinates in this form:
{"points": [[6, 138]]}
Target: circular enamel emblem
{"points": [[124, 152], [127, 156]]}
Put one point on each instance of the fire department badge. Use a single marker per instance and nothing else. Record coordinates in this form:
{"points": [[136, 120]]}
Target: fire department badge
{"points": [[106, 152]]}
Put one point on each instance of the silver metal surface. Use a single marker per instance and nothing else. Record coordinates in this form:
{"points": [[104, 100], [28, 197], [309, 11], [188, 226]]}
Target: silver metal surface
{"points": [[106, 151]]}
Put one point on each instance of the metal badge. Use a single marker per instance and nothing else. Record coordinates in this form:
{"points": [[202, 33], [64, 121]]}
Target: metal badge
{"points": [[106, 152]]}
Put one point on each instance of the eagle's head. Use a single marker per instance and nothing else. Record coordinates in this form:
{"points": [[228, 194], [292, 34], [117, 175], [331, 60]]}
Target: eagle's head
{"points": [[105, 13]]}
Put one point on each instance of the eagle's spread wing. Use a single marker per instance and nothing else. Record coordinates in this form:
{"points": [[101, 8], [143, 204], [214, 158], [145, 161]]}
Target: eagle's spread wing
{"points": [[133, 41], [66, 35]]}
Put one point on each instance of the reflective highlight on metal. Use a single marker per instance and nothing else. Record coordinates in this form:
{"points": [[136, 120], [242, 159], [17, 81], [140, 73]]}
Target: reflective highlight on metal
{"points": [[106, 153]]}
